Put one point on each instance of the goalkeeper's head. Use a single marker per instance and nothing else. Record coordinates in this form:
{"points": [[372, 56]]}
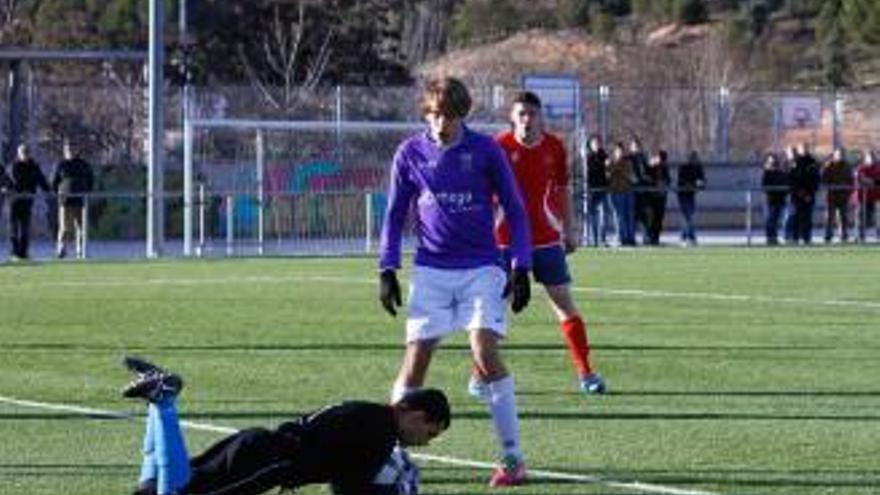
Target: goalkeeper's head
{"points": [[421, 416]]}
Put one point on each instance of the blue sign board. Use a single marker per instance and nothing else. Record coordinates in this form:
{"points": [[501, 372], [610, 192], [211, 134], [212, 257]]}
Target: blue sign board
{"points": [[559, 93]]}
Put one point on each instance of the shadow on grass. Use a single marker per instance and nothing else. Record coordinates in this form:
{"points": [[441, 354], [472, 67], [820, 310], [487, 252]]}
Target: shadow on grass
{"points": [[397, 346], [440, 476], [48, 471], [436, 478], [713, 393], [670, 416], [475, 414]]}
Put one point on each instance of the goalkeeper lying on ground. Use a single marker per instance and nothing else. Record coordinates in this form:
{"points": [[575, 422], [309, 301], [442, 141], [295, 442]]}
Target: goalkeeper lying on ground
{"points": [[349, 445]]}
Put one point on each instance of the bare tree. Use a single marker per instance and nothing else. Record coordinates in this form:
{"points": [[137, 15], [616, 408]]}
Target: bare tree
{"points": [[289, 70], [674, 102], [8, 10]]}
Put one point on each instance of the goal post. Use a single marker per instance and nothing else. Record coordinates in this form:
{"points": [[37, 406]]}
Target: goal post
{"points": [[348, 150]]}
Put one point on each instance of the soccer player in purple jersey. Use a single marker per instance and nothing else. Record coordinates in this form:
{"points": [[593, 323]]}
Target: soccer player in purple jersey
{"points": [[449, 176]]}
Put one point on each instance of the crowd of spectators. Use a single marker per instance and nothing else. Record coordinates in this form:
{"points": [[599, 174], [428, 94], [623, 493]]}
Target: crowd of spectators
{"points": [[628, 189], [793, 185], [71, 180], [627, 192]]}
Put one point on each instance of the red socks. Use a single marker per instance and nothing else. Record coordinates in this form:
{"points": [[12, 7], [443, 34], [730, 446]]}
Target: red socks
{"points": [[574, 331]]}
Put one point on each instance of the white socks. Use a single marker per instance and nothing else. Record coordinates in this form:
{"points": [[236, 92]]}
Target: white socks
{"points": [[502, 406]]}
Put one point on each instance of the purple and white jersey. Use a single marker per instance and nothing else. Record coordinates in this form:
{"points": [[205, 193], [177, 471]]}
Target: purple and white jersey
{"points": [[453, 190]]}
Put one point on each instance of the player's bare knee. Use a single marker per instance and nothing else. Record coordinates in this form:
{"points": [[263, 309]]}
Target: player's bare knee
{"points": [[488, 359]]}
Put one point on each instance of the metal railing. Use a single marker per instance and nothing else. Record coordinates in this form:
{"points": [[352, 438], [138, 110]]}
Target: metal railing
{"points": [[239, 223]]}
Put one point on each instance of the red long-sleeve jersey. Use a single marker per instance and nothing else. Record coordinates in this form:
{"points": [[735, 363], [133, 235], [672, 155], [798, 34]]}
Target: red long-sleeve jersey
{"points": [[542, 174]]}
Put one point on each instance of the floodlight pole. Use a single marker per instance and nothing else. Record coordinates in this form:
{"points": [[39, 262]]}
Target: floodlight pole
{"points": [[156, 132]]}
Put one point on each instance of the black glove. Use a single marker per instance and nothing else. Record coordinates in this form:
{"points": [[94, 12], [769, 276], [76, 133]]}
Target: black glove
{"points": [[389, 291], [519, 285]]}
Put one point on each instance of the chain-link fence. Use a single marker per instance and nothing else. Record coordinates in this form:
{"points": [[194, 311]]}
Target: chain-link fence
{"points": [[323, 191]]}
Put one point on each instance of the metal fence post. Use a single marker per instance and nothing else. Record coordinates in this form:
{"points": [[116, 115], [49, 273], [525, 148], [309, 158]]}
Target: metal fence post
{"points": [[749, 216], [200, 248], [722, 144], [604, 103], [230, 224], [837, 120], [187, 186], [83, 241], [261, 190], [368, 222]]}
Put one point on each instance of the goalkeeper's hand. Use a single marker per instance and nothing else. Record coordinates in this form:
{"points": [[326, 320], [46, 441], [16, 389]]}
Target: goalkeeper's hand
{"points": [[519, 286], [389, 291]]}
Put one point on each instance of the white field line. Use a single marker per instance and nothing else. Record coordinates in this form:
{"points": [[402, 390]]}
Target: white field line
{"points": [[635, 293], [714, 296], [534, 473]]}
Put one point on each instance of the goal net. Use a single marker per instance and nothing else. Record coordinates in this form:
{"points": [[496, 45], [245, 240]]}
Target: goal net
{"points": [[255, 187]]}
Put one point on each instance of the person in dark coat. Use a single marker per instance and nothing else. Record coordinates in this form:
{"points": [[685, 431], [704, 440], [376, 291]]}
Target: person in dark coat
{"points": [[641, 188], [788, 214], [658, 183], [598, 202], [72, 181], [5, 186], [774, 181], [837, 178], [804, 180], [26, 179], [691, 178], [621, 180]]}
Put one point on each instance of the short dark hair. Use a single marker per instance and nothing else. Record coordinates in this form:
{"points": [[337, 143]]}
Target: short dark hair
{"points": [[527, 98], [430, 400]]}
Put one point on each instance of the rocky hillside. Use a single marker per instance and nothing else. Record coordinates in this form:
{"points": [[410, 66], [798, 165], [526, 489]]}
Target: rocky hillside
{"points": [[788, 59]]}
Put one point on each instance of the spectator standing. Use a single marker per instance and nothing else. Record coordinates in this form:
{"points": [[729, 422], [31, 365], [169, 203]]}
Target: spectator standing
{"points": [[448, 176], [620, 185], [691, 178], [774, 181], [788, 220], [540, 165], [658, 183], [6, 185], [867, 193], [642, 189], [837, 177], [804, 179], [598, 202], [26, 178], [72, 181]]}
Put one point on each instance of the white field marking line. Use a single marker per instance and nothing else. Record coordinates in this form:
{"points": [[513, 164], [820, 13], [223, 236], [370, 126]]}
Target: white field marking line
{"points": [[365, 281], [536, 473], [198, 281], [729, 297], [577, 478]]}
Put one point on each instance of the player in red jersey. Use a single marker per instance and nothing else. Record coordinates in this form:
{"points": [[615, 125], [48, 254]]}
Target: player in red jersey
{"points": [[540, 165]]}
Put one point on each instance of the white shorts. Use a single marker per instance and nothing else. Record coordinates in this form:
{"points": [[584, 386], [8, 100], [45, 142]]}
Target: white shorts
{"points": [[445, 301]]}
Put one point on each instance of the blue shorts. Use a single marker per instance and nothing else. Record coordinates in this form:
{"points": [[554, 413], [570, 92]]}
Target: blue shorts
{"points": [[548, 265]]}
